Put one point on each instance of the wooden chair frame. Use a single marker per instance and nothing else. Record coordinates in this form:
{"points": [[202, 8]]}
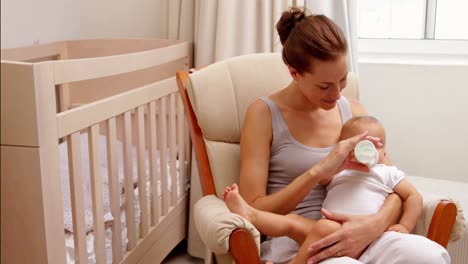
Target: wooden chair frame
{"points": [[242, 245]]}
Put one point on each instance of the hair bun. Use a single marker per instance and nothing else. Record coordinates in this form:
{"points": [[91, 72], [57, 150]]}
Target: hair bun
{"points": [[287, 22]]}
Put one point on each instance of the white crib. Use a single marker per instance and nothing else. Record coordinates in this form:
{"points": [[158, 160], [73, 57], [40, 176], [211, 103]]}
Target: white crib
{"points": [[93, 133]]}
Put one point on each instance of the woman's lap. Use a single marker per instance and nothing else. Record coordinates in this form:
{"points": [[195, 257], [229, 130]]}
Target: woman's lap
{"points": [[393, 248]]}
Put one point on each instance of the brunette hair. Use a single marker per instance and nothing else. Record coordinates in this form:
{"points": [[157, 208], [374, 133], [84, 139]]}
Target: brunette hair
{"points": [[307, 37]]}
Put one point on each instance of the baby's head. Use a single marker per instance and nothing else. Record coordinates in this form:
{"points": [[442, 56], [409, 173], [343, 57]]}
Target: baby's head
{"points": [[359, 124]]}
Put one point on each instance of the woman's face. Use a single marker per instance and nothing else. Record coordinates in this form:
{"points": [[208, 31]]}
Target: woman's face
{"points": [[322, 88]]}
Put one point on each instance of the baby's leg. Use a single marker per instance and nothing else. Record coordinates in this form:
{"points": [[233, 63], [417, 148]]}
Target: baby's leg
{"points": [[270, 224], [321, 229]]}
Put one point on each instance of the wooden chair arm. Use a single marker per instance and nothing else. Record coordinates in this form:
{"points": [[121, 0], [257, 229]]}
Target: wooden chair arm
{"points": [[442, 222], [243, 248], [203, 164]]}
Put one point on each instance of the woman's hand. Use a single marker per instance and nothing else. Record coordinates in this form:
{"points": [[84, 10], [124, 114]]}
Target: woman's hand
{"points": [[399, 228], [356, 233], [340, 158]]}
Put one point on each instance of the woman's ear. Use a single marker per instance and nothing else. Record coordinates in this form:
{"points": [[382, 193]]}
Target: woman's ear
{"points": [[293, 72]]}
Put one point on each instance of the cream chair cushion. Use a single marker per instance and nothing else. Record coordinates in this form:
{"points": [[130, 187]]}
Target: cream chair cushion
{"points": [[211, 211]]}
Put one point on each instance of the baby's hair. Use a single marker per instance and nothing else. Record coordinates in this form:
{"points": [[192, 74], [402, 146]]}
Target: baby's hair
{"points": [[305, 37], [362, 121], [358, 119]]}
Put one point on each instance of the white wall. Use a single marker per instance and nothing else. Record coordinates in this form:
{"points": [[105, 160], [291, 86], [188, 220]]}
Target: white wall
{"points": [[119, 19], [25, 22], [425, 111]]}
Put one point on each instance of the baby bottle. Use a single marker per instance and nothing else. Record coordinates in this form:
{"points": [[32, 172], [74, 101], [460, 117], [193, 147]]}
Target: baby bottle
{"points": [[366, 153]]}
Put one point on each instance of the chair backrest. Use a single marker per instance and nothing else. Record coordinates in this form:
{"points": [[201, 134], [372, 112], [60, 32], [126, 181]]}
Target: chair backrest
{"points": [[220, 95]]}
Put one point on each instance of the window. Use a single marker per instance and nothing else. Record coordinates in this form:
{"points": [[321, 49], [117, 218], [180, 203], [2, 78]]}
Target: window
{"points": [[451, 19], [413, 19], [417, 28], [391, 19]]}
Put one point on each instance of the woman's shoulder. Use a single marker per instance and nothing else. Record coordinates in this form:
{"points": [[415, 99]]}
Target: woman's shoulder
{"points": [[258, 112], [357, 109], [257, 123], [259, 107]]}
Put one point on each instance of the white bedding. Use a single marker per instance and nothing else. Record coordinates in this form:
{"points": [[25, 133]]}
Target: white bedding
{"points": [[87, 196], [64, 171], [70, 246], [69, 242]]}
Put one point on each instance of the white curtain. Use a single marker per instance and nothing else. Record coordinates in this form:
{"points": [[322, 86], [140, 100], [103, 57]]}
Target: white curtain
{"points": [[220, 29]]}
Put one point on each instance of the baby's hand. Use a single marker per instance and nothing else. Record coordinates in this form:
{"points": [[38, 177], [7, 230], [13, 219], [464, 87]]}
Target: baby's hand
{"points": [[398, 228]]}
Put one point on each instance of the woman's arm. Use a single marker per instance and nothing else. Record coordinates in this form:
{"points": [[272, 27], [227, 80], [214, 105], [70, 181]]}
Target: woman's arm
{"points": [[255, 153], [255, 144], [357, 232]]}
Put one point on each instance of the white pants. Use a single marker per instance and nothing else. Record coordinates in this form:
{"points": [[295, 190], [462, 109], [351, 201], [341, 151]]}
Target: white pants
{"points": [[390, 248], [396, 248]]}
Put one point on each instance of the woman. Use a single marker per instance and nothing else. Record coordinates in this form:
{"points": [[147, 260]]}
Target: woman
{"points": [[290, 142]]}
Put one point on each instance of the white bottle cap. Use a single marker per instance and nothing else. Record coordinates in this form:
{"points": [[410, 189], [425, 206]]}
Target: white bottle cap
{"points": [[366, 153]]}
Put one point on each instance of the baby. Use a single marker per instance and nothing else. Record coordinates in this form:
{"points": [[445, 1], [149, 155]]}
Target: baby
{"points": [[349, 192]]}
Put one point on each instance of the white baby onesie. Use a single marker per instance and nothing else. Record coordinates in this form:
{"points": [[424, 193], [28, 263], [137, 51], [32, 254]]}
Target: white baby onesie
{"points": [[361, 193]]}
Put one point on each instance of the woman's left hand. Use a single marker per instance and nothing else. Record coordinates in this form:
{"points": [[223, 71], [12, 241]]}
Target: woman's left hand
{"points": [[356, 233]]}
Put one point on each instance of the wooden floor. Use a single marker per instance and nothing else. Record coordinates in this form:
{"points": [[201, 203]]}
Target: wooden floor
{"points": [[179, 256]]}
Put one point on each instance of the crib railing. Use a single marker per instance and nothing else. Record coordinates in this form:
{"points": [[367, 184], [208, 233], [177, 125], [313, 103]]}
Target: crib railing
{"points": [[148, 118], [156, 119]]}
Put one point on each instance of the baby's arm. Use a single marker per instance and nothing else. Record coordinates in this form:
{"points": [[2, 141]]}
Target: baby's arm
{"points": [[412, 207], [325, 182]]}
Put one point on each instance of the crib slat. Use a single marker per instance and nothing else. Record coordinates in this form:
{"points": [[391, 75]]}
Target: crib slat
{"points": [[114, 190], [97, 194], [172, 145], [141, 169], [188, 149], [128, 179], [181, 145], [77, 197], [163, 155], [154, 175]]}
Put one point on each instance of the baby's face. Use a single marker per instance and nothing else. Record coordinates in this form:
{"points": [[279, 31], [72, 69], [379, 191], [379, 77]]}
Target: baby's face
{"points": [[374, 129], [382, 153]]}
